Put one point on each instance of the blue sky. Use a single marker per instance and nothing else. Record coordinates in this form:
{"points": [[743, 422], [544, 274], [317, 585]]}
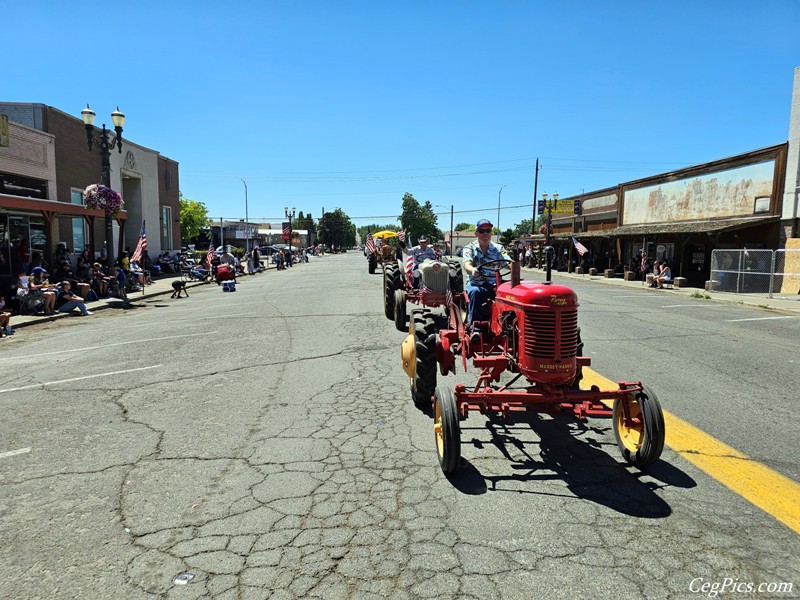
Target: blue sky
{"points": [[351, 104]]}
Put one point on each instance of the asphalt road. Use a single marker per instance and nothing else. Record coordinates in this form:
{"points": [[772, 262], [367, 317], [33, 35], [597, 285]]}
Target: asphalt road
{"points": [[265, 442]]}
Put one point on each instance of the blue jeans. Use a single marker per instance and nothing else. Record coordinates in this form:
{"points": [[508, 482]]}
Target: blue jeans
{"points": [[72, 305], [478, 294]]}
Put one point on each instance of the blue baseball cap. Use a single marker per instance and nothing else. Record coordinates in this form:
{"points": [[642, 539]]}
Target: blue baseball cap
{"points": [[37, 270], [483, 222]]}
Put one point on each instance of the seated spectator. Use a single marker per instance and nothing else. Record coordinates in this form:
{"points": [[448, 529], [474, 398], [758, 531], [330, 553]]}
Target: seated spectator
{"points": [[5, 317], [166, 264], [38, 286], [125, 262], [142, 276], [147, 264], [67, 301], [664, 276], [99, 281]]}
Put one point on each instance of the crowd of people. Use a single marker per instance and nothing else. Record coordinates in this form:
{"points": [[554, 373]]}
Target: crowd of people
{"points": [[68, 282]]}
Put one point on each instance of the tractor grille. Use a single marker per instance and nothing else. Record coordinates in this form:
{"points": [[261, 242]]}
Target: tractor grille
{"points": [[551, 333], [435, 281]]}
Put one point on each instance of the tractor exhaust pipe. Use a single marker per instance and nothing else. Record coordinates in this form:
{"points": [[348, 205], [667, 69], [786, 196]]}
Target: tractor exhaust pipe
{"points": [[515, 273]]}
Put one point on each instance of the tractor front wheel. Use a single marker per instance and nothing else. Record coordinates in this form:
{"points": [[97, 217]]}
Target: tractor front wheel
{"points": [[424, 382], [400, 310], [639, 428], [446, 429]]}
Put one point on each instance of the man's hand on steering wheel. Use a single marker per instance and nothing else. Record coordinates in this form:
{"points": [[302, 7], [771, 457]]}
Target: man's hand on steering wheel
{"points": [[503, 266]]}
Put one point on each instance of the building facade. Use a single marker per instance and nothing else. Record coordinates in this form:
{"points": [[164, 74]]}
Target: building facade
{"points": [[45, 167]]}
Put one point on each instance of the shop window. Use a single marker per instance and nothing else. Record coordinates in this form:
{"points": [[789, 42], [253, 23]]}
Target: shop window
{"points": [[166, 227]]}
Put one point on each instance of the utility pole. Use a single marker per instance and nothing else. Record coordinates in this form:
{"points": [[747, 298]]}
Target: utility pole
{"points": [[246, 219], [498, 213], [451, 231], [535, 190]]}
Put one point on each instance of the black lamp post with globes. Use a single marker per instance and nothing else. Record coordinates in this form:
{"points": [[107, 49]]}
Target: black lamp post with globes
{"points": [[105, 145]]}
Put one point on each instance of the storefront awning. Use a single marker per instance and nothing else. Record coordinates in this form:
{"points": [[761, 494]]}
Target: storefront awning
{"points": [[674, 228]]}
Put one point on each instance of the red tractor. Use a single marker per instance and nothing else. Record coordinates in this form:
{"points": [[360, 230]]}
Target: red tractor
{"points": [[533, 334]]}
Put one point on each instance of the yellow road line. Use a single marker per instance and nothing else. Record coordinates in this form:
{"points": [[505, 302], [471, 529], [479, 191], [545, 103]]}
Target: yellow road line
{"points": [[770, 491]]}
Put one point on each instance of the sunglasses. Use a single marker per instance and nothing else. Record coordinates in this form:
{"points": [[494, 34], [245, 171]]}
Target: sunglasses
{"points": [[484, 230]]}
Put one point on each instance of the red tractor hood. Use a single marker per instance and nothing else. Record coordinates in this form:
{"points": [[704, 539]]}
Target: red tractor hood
{"points": [[531, 293]]}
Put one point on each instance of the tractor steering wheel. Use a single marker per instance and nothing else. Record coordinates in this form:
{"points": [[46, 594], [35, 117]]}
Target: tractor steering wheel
{"points": [[503, 267]]}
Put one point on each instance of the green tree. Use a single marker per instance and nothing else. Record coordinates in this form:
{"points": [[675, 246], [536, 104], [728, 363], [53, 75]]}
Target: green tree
{"points": [[465, 227], [306, 222], [194, 218], [336, 230], [419, 219]]}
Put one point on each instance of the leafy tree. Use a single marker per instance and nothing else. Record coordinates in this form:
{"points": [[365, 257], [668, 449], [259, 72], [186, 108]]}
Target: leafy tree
{"points": [[305, 222], [418, 219], [336, 230], [194, 218], [465, 227]]}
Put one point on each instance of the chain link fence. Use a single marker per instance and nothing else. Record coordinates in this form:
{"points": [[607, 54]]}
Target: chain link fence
{"points": [[756, 272]]}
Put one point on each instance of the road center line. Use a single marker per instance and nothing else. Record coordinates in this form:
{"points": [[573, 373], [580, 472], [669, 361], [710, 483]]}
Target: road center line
{"points": [[38, 385], [758, 484], [14, 452], [104, 346], [685, 306], [758, 319]]}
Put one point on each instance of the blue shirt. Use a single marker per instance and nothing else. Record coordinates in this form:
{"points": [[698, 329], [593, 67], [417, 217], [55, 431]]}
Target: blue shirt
{"points": [[419, 254], [472, 253]]}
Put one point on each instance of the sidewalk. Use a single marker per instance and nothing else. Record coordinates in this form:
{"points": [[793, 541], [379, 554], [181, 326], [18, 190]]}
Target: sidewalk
{"points": [[777, 302], [160, 286]]}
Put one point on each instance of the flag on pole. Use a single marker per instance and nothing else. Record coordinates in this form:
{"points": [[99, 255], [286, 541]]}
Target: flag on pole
{"points": [[141, 245], [581, 249], [644, 255], [210, 255], [370, 244], [401, 235]]}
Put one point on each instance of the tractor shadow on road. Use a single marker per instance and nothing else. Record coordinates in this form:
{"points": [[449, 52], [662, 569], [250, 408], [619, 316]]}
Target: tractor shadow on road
{"points": [[562, 449]]}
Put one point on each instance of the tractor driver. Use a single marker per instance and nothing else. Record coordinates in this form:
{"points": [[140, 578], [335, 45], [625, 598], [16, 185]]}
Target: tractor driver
{"points": [[480, 288], [420, 253]]}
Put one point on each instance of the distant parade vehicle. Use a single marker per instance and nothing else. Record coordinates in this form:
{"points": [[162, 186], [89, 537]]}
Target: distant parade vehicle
{"points": [[533, 334], [378, 251]]}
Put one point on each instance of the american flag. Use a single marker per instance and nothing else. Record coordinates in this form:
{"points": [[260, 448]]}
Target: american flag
{"points": [[644, 254], [286, 229], [401, 235], [210, 255], [409, 269], [369, 244], [141, 245], [579, 247]]}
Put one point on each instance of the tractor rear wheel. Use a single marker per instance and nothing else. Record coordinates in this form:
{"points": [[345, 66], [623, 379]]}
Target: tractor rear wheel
{"points": [[424, 383], [372, 263], [446, 430], [389, 273], [400, 310], [639, 428]]}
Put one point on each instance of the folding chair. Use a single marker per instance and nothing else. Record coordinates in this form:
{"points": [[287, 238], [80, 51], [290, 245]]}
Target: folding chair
{"points": [[29, 303]]}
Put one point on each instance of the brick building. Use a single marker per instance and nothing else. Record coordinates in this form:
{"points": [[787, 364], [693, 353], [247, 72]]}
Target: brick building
{"points": [[45, 165]]}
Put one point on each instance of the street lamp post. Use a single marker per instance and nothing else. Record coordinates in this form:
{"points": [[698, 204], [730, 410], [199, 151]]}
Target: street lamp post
{"points": [[498, 213], [548, 249], [246, 220], [106, 146], [290, 216]]}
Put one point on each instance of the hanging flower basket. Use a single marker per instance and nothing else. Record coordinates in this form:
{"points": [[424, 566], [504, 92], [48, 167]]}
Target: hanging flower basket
{"points": [[101, 197]]}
